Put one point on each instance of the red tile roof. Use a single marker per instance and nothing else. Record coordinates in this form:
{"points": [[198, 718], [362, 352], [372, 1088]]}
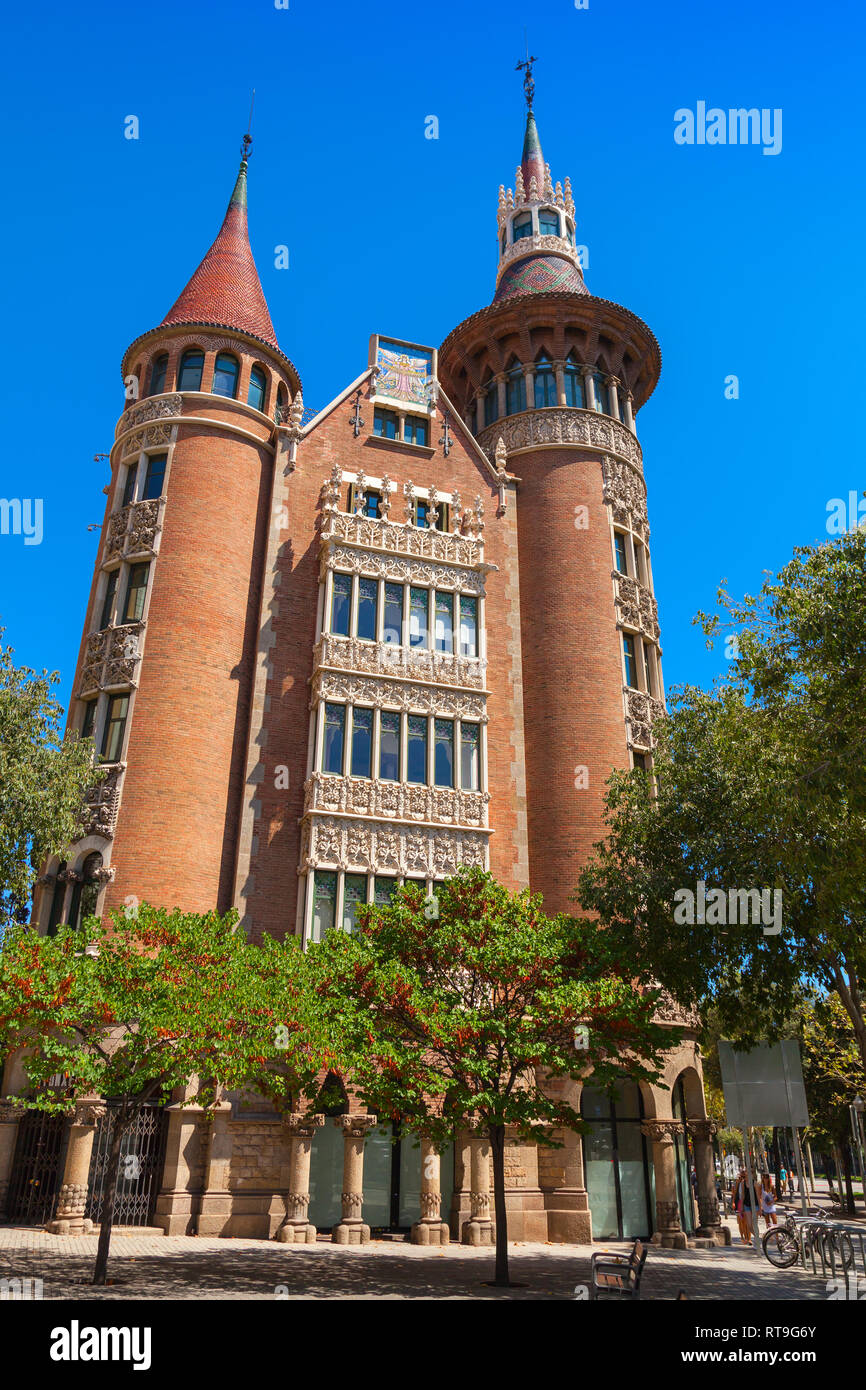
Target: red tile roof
{"points": [[226, 290]]}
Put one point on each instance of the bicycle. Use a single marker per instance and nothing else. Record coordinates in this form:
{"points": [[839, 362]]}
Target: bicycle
{"points": [[782, 1244]]}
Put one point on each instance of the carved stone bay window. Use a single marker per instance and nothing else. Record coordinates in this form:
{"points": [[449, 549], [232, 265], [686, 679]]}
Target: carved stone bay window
{"points": [[133, 530], [111, 659], [345, 862]]}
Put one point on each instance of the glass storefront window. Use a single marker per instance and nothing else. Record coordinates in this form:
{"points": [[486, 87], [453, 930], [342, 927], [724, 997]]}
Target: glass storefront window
{"points": [[616, 1162]]}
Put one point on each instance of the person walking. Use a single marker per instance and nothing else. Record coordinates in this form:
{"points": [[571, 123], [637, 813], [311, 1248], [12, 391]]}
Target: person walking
{"points": [[783, 1181], [742, 1202], [767, 1198]]}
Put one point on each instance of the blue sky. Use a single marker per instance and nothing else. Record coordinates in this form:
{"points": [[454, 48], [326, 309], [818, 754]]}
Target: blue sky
{"points": [[741, 263]]}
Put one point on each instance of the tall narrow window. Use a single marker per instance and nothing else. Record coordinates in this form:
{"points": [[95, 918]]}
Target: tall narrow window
{"points": [[515, 390], [574, 395], [389, 746], [225, 375], [354, 895], [157, 375], [384, 890], [108, 602], [640, 555], [630, 660], [257, 387], [89, 719], [548, 222], [57, 899], [414, 430], [154, 477], [602, 399], [136, 588], [341, 604], [335, 733], [393, 618], [470, 757], [386, 423], [545, 383], [444, 622], [418, 610], [491, 402], [129, 484], [422, 512], [191, 368], [324, 902], [648, 668], [368, 604], [521, 227], [416, 749], [619, 550], [115, 724], [468, 626], [443, 753], [362, 742], [372, 501]]}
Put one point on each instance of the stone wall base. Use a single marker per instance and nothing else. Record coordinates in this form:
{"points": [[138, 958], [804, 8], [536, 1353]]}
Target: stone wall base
{"points": [[430, 1233]]}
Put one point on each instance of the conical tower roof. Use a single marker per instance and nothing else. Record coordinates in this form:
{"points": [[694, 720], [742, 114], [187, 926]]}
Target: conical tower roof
{"points": [[532, 163], [225, 290]]}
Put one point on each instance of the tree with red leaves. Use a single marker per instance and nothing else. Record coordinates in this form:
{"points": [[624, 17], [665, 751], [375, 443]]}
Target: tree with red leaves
{"points": [[456, 1010], [134, 1010]]}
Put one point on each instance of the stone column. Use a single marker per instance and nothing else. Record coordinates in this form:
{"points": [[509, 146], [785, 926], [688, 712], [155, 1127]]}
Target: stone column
{"points": [[559, 370], [296, 1229], [478, 1230], [711, 1227], [669, 1233], [69, 1219], [431, 1229], [589, 387], [612, 390], [629, 411], [499, 378], [10, 1116], [350, 1229], [529, 387]]}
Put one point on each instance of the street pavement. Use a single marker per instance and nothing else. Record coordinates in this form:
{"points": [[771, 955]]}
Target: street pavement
{"points": [[189, 1267]]}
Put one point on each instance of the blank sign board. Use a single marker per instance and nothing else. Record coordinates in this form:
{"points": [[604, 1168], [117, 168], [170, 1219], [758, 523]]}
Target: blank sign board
{"points": [[764, 1086]]}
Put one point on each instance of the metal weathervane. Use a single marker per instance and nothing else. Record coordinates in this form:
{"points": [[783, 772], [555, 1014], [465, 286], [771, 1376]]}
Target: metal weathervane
{"points": [[528, 80]]}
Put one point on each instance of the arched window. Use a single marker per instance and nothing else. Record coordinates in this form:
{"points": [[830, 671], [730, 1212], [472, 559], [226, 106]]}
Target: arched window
{"points": [[86, 890], [618, 1176], [574, 384], [57, 900], [515, 389], [281, 408], [256, 393], [225, 375], [521, 226], [602, 395], [545, 382], [158, 370], [491, 402], [548, 222], [191, 368], [503, 241]]}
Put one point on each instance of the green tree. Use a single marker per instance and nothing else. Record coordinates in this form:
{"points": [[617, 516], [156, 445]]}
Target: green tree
{"points": [[760, 783], [43, 778], [833, 1073], [150, 1003], [456, 1013]]}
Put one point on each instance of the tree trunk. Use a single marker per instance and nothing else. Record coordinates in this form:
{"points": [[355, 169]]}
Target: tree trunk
{"points": [[121, 1124], [497, 1145]]}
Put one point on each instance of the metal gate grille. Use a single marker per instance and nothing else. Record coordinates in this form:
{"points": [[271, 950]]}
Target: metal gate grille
{"points": [[138, 1175], [37, 1168]]}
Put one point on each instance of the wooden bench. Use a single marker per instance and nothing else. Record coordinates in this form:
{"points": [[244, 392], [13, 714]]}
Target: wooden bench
{"points": [[617, 1276]]}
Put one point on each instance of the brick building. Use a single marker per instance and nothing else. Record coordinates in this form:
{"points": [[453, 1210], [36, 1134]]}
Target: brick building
{"points": [[324, 656]]}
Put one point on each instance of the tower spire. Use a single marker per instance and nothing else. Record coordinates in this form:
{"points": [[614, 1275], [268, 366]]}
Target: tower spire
{"points": [[225, 290]]}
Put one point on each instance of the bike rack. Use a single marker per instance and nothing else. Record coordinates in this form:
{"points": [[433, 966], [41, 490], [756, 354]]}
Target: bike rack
{"points": [[820, 1227]]}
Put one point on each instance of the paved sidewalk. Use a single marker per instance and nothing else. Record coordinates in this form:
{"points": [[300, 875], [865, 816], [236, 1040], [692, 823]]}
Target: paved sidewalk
{"points": [[187, 1267]]}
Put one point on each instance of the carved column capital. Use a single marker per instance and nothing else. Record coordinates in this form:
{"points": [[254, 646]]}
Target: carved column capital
{"points": [[661, 1131], [357, 1126], [302, 1126], [701, 1130]]}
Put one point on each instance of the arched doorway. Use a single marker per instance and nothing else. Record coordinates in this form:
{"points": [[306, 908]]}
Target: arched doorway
{"points": [[618, 1174]]}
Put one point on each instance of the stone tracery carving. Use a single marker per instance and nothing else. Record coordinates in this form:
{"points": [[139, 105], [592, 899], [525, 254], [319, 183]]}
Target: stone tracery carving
{"points": [[562, 425], [399, 801], [339, 842], [379, 534], [404, 695], [414, 664], [403, 569]]}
